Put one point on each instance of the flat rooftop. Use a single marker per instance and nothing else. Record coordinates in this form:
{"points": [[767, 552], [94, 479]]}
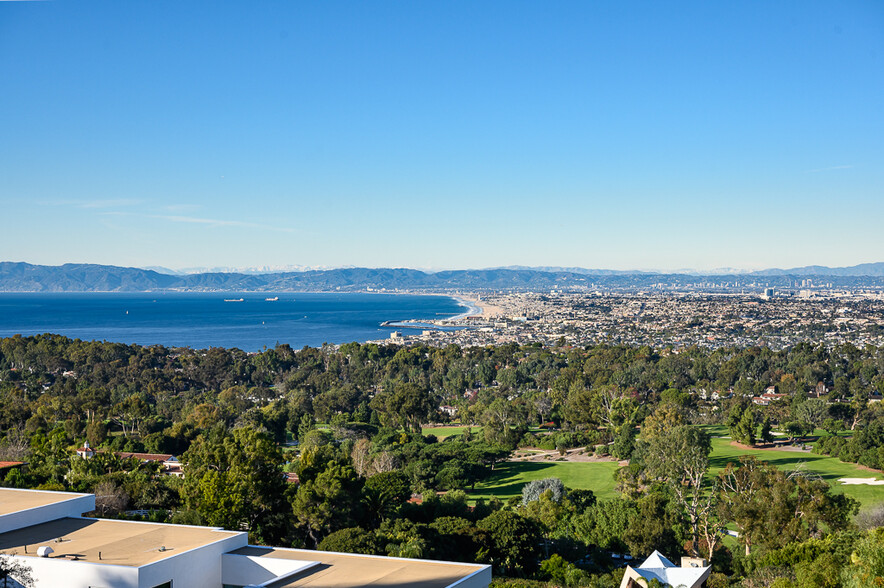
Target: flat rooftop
{"points": [[341, 570], [13, 500], [121, 543]]}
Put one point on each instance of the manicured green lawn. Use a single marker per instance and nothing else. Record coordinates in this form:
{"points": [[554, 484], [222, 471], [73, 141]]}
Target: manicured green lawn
{"points": [[509, 477], [450, 431], [443, 432], [829, 468]]}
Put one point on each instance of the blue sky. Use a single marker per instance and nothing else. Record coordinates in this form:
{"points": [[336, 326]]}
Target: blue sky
{"points": [[626, 135]]}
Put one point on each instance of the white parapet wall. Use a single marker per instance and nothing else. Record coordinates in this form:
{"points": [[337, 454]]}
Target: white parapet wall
{"points": [[200, 567], [481, 578], [58, 506], [196, 568], [256, 566], [57, 572], [244, 570]]}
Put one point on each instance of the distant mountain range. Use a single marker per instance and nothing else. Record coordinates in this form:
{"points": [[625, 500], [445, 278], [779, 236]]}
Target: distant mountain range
{"points": [[863, 269], [25, 277], [264, 269]]}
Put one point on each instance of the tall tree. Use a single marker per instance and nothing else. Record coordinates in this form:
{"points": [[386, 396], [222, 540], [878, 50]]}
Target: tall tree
{"points": [[512, 542], [234, 479], [407, 405], [680, 457], [505, 423], [328, 503], [766, 435], [383, 493], [741, 422], [771, 507]]}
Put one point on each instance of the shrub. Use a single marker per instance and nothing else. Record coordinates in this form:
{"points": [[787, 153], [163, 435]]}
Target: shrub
{"points": [[532, 490], [561, 572], [352, 540]]}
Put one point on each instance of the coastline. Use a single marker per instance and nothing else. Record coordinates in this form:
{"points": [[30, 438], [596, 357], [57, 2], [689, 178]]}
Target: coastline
{"points": [[203, 319], [473, 309], [476, 308]]}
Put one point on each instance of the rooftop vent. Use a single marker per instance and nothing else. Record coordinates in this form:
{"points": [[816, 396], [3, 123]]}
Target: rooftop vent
{"points": [[44, 551]]}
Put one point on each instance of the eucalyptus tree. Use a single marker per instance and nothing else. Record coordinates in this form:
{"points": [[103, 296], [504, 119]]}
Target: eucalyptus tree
{"points": [[679, 456]]}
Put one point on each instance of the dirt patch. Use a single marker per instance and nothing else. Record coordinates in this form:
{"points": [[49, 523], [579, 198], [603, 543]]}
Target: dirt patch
{"points": [[769, 447], [864, 468], [575, 455]]}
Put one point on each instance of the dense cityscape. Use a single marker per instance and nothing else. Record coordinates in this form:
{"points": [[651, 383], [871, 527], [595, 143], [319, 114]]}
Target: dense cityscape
{"points": [[669, 319]]}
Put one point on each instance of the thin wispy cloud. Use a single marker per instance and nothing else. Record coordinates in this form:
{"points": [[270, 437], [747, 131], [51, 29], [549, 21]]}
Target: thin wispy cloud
{"points": [[832, 168], [181, 207], [193, 220], [213, 222], [97, 204], [113, 203]]}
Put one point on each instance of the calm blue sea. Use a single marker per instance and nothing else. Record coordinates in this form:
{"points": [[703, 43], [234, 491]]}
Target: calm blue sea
{"points": [[201, 320]]}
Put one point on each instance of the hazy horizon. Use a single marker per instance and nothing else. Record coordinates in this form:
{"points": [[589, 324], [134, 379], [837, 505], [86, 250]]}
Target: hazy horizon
{"points": [[267, 269]]}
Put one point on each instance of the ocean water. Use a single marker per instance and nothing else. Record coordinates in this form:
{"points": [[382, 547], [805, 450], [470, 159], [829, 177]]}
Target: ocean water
{"points": [[219, 319]]}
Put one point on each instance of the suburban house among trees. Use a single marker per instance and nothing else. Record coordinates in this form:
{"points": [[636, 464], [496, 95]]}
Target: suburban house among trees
{"points": [[170, 463]]}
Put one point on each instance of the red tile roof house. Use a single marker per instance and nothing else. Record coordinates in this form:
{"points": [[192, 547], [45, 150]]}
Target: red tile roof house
{"points": [[7, 466], [767, 398], [170, 463]]}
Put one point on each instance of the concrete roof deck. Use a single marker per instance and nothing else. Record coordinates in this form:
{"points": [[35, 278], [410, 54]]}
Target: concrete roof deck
{"points": [[122, 543], [342, 570], [13, 500]]}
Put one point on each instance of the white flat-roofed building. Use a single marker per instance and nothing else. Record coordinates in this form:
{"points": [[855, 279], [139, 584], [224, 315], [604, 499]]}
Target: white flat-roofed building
{"points": [[103, 553], [347, 570], [23, 508]]}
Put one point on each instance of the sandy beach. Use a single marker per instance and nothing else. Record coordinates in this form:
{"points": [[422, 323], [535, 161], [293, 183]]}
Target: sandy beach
{"points": [[478, 308]]}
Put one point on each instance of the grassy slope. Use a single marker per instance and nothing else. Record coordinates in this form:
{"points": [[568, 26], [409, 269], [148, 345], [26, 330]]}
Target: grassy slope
{"points": [[829, 468], [443, 432], [509, 478], [450, 431]]}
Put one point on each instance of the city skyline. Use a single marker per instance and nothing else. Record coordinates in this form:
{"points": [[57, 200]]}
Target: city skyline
{"points": [[633, 136]]}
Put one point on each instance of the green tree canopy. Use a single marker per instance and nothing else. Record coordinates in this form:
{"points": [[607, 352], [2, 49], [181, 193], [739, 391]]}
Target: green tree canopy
{"points": [[513, 542], [328, 503], [234, 479]]}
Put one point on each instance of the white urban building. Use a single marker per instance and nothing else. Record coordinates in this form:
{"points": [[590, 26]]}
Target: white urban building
{"points": [[47, 532]]}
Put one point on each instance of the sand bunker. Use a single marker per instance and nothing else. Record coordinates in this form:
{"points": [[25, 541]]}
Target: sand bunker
{"points": [[867, 481]]}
